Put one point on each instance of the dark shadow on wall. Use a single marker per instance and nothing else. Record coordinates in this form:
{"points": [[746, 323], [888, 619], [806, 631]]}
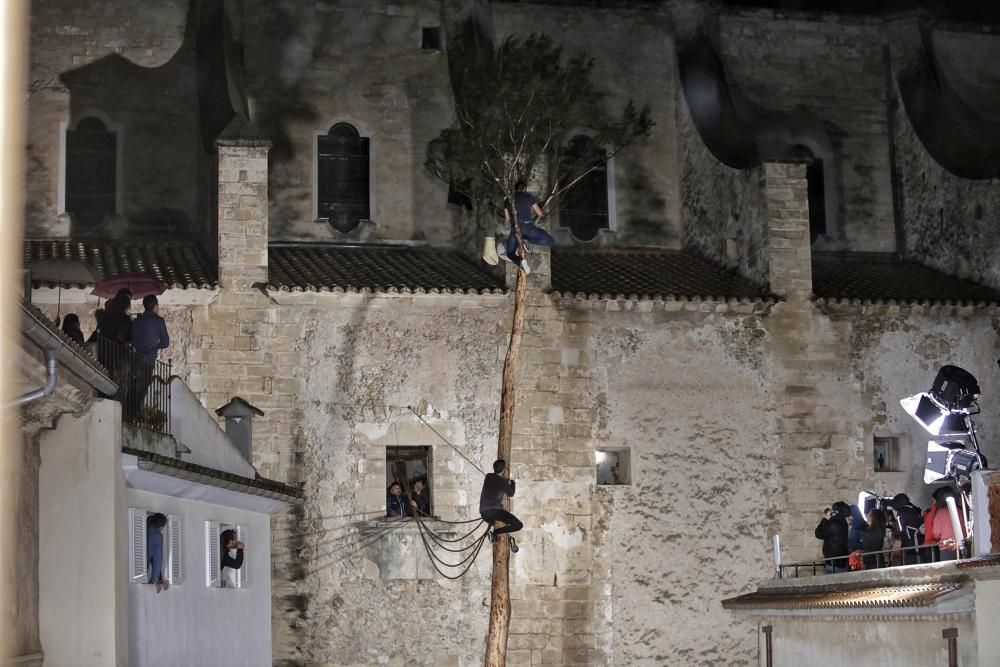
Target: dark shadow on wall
{"points": [[166, 119], [960, 139]]}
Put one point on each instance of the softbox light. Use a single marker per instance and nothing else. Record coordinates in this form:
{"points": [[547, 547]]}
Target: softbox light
{"points": [[935, 419], [950, 460]]}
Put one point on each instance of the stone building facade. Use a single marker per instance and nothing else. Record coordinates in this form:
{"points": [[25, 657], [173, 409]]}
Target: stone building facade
{"points": [[746, 391]]}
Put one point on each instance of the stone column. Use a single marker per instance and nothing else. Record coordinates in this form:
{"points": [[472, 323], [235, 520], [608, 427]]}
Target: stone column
{"points": [[242, 208], [789, 256]]}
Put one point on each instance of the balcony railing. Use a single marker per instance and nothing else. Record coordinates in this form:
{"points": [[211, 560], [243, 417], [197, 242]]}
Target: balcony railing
{"points": [[925, 553], [143, 385]]}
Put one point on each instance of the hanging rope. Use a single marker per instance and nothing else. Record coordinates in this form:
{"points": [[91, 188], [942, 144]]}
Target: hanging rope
{"points": [[445, 440], [468, 561]]}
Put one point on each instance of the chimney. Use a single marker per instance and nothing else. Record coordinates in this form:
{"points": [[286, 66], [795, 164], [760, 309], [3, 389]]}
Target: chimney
{"points": [[239, 419]]}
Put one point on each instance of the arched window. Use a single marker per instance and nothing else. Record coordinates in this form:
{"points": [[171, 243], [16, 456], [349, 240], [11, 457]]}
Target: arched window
{"points": [[343, 178], [91, 171], [584, 207]]}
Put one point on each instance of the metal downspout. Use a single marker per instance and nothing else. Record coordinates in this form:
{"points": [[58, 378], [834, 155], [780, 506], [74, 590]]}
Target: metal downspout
{"points": [[51, 361]]}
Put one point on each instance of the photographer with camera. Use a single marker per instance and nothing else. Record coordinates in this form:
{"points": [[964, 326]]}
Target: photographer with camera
{"points": [[832, 529]]}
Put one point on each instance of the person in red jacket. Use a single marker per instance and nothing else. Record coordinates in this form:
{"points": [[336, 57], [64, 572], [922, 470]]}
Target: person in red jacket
{"points": [[937, 524]]}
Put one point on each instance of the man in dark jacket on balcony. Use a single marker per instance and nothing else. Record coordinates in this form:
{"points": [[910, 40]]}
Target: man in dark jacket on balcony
{"points": [[832, 529], [149, 336], [906, 527], [149, 331]]}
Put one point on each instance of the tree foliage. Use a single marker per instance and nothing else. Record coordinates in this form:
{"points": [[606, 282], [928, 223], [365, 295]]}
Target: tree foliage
{"points": [[517, 107]]}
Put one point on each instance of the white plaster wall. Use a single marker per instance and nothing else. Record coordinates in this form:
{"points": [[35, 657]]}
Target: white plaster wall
{"points": [[869, 643], [192, 425], [192, 624], [987, 613], [82, 518]]}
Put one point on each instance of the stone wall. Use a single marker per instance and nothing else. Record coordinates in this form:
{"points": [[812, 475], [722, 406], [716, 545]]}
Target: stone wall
{"points": [[948, 222], [828, 69], [131, 66], [642, 68], [722, 208], [356, 61]]}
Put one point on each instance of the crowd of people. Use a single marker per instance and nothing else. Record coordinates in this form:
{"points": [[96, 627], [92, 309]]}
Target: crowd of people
{"points": [[145, 334], [898, 533]]}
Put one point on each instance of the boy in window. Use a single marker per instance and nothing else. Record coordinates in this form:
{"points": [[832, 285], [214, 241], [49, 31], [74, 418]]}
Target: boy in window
{"points": [[396, 505], [154, 550], [420, 498], [232, 556]]}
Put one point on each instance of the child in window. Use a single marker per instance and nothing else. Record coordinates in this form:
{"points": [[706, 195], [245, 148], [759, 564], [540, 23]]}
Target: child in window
{"points": [[154, 550]]}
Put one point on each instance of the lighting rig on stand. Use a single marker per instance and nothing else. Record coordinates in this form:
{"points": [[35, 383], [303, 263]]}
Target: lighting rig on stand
{"points": [[946, 411]]}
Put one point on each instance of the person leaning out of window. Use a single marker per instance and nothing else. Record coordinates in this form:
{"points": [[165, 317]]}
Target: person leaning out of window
{"points": [[232, 556]]}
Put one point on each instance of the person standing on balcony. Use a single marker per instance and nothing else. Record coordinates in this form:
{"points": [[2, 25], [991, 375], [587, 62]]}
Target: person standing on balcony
{"points": [[832, 529], [149, 336], [149, 330]]}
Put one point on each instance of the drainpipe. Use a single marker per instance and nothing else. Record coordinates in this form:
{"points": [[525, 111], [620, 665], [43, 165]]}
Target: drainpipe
{"points": [[51, 360]]}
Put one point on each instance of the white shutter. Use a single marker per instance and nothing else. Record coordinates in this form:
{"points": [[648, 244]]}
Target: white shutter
{"points": [[242, 580], [175, 551], [213, 558], [137, 572]]}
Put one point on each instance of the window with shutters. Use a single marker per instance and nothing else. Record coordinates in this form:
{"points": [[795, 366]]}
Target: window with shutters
{"points": [[216, 575], [584, 208], [138, 547], [91, 171], [137, 565], [343, 178], [173, 548]]}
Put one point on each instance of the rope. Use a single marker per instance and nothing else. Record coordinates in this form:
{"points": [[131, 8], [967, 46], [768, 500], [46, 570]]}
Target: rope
{"points": [[470, 559], [445, 440]]}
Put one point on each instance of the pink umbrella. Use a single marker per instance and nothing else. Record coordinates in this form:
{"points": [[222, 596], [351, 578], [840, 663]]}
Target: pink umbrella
{"points": [[138, 283]]}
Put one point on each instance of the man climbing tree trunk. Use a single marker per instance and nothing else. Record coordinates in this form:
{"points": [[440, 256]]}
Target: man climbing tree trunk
{"points": [[516, 106]]}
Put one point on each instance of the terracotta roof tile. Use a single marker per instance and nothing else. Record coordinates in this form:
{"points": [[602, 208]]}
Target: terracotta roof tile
{"points": [[179, 264], [317, 267], [650, 273], [882, 278], [864, 598]]}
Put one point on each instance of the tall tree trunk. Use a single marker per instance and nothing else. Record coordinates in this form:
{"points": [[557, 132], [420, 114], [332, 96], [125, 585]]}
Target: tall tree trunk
{"points": [[496, 640]]}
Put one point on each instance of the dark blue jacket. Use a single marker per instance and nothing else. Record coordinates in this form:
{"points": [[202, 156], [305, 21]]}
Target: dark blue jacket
{"points": [[396, 506], [154, 554], [149, 334]]}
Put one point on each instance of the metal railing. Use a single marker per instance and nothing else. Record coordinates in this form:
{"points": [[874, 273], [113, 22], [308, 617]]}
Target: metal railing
{"points": [[143, 384], [925, 553]]}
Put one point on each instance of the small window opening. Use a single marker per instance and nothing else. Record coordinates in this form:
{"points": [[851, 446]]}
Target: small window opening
{"points": [[91, 177], [344, 193], [584, 207], [431, 38], [225, 559], [885, 454], [817, 199], [613, 467], [410, 468], [155, 545]]}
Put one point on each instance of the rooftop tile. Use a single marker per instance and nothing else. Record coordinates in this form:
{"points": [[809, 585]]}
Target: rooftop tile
{"points": [[882, 278], [317, 267], [922, 595], [179, 264], [651, 273]]}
